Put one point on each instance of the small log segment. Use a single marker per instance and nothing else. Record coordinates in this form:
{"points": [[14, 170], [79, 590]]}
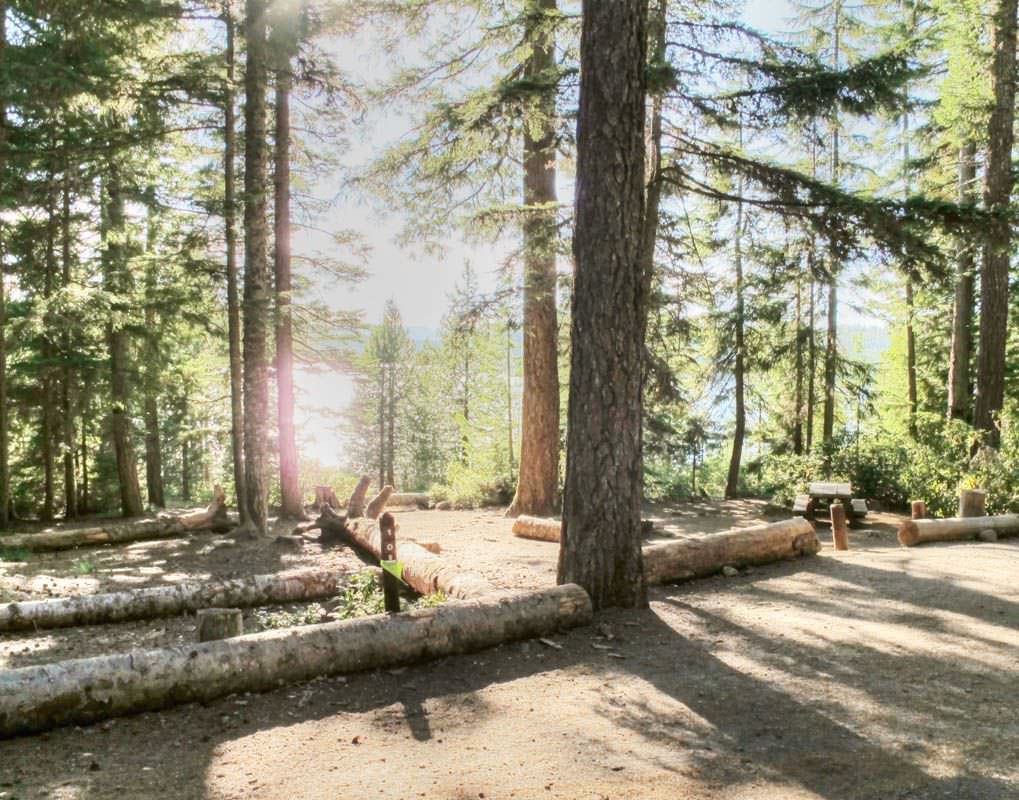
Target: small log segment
{"points": [[839, 531], [81, 691], [972, 503], [213, 518], [541, 528], [695, 558], [423, 571], [169, 601], [219, 623], [355, 505], [918, 509], [417, 499], [918, 531]]}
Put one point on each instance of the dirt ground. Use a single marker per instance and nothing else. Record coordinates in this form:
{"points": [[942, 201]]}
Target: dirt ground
{"points": [[877, 673]]}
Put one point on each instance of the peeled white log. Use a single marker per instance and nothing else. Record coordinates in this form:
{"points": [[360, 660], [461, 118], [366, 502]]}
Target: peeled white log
{"points": [[763, 544], [918, 531], [90, 689], [419, 499], [423, 571], [213, 518], [168, 601], [541, 528]]}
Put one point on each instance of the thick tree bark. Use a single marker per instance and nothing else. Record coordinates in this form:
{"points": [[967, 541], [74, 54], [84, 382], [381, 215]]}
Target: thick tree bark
{"points": [[257, 276], [87, 690], [695, 558], [5, 473], [67, 407], [214, 518], [538, 479], [232, 301], [919, 531], [118, 283], [994, 272], [959, 380], [290, 490], [811, 358], [169, 601], [601, 536]]}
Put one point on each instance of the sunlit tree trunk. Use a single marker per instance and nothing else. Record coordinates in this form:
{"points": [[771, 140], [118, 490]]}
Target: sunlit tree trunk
{"points": [[831, 345], [257, 276], [959, 375], [153, 445], [739, 366], [48, 388], [5, 473], [232, 300], [290, 490], [538, 480], [798, 357], [994, 273], [601, 539]]}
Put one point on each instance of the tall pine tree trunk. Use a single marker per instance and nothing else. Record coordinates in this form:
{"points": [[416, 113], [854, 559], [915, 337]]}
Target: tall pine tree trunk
{"points": [[232, 301], [67, 406], [382, 425], [739, 366], [48, 389], [538, 479], [911, 395], [601, 539], [118, 283], [798, 357], [831, 345], [391, 424], [5, 472], [959, 379], [153, 445], [257, 276], [290, 490], [994, 272]]}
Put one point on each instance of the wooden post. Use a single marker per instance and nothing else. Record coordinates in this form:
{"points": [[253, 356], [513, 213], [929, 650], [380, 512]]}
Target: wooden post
{"points": [[971, 502], [918, 509], [838, 526], [219, 623], [390, 583]]}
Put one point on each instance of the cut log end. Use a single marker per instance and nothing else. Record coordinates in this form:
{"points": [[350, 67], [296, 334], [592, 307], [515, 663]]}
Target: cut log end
{"points": [[909, 534], [219, 623], [540, 528]]}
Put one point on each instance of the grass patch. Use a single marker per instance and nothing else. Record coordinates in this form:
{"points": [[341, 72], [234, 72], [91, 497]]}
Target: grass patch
{"points": [[83, 567], [17, 554]]}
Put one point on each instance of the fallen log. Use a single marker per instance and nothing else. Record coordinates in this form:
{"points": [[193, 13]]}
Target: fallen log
{"points": [[541, 528], [170, 601], [417, 499], [423, 571], [917, 531], [695, 558], [81, 691], [213, 518], [355, 505]]}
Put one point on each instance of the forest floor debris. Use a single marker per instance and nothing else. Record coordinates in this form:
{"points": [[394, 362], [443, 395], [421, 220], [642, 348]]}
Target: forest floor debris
{"points": [[879, 672]]}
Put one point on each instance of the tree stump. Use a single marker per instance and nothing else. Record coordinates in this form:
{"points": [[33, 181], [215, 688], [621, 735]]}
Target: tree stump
{"points": [[355, 505], [219, 623], [839, 533], [325, 496], [972, 502], [918, 509]]}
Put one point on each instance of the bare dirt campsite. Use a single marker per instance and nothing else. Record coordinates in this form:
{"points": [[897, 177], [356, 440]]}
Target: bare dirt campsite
{"points": [[879, 672]]}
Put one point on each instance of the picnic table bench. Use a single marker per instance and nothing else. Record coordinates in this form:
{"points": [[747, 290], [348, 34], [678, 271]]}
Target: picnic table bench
{"points": [[820, 495]]}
